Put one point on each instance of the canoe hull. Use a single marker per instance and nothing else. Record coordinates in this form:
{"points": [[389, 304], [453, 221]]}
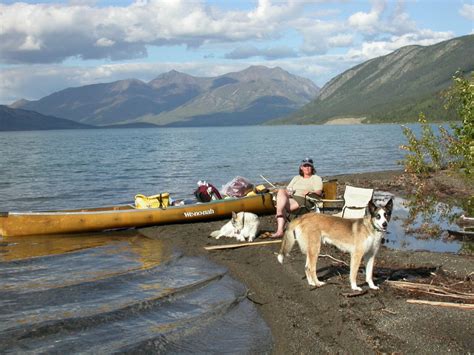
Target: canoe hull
{"points": [[119, 217]]}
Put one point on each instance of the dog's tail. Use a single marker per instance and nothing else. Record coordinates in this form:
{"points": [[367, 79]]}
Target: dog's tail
{"points": [[287, 243], [215, 234]]}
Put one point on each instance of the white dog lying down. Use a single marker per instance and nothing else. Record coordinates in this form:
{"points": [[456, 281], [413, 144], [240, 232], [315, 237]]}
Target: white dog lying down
{"points": [[243, 225]]}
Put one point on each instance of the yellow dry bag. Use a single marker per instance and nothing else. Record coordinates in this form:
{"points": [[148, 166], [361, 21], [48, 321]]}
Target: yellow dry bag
{"points": [[155, 201]]}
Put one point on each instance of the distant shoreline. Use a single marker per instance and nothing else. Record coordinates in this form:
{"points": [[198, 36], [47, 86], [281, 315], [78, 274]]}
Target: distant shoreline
{"points": [[345, 121]]}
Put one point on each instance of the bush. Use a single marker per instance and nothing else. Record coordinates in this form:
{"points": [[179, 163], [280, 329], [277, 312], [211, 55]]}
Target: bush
{"points": [[461, 144], [455, 150], [426, 154], [432, 152]]}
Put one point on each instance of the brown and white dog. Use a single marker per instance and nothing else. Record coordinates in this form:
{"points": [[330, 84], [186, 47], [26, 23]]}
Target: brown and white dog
{"points": [[360, 237]]}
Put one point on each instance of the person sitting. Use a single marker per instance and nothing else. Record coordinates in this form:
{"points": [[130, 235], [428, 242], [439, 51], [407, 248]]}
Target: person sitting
{"points": [[294, 196]]}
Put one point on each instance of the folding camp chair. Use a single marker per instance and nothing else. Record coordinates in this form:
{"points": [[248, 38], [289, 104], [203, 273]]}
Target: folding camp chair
{"points": [[356, 200], [317, 203], [330, 200]]}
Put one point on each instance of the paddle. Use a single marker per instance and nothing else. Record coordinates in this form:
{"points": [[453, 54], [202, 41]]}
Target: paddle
{"points": [[272, 185]]}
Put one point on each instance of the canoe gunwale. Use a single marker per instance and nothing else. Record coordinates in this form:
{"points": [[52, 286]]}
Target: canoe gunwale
{"points": [[126, 216], [128, 208]]}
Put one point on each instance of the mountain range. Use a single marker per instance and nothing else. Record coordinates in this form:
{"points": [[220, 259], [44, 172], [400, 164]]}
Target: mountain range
{"points": [[392, 88], [251, 96], [25, 120]]}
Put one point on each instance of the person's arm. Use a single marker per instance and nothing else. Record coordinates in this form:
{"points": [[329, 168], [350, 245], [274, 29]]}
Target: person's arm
{"points": [[317, 186], [290, 188]]}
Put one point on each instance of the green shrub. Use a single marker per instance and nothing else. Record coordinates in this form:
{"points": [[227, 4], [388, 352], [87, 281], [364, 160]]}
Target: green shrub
{"points": [[425, 154], [461, 145], [433, 152]]}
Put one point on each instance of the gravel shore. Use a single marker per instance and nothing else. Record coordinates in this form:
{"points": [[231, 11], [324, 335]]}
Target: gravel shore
{"points": [[330, 318]]}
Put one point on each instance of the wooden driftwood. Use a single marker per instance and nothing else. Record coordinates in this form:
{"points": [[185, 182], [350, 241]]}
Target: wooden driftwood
{"points": [[443, 304], [239, 245], [464, 221], [333, 258], [431, 290], [354, 294]]}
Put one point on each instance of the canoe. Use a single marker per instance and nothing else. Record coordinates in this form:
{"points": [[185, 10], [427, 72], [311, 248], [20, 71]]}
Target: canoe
{"points": [[126, 216]]}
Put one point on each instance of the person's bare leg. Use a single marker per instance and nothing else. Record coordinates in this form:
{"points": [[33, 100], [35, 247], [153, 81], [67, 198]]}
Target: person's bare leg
{"points": [[283, 206]]}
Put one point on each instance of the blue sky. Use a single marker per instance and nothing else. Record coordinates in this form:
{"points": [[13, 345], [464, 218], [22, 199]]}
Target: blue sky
{"points": [[46, 46]]}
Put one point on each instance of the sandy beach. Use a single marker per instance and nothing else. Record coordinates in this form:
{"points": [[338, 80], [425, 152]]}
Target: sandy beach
{"points": [[331, 318]]}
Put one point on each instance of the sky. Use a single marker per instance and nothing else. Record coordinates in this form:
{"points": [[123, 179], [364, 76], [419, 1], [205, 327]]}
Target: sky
{"points": [[47, 46]]}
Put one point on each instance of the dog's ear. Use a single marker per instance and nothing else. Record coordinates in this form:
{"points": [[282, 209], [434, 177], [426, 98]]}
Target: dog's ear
{"points": [[389, 208], [234, 215], [372, 207]]}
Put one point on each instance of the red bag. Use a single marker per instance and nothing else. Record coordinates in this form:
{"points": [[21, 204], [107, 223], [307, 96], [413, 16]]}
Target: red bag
{"points": [[206, 192]]}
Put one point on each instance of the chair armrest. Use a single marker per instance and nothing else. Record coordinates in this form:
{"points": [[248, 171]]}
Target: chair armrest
{"points": [[313, 196]]}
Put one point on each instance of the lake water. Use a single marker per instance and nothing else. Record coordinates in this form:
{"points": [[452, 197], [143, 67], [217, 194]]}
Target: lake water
{"points": [[119, 291], [83, 168]]}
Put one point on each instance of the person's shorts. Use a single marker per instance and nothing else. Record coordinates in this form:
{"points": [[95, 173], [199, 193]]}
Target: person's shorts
{"points": [[300, 200]]}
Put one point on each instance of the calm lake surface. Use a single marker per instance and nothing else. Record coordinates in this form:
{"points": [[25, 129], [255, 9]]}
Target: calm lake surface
{"points": [[120, 291]]}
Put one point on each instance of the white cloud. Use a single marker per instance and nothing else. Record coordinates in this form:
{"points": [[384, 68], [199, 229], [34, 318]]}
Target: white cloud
{"points": [[30, 44], [321, 36], [382, 19], [299, 35], [399, 22], [59, 32], [341, 40], [316, 35], [467, 11], [243, 52], [368, 22], [104, 42], [45, 33], [270, 53], [372, 49]]}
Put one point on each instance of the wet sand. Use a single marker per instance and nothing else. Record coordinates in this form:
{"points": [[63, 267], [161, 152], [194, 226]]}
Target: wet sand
{"points": [[329, 319]]}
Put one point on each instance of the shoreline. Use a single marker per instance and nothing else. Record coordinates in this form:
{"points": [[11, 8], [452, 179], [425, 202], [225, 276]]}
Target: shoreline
{"points": [[327, 320], [344, 121]]}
